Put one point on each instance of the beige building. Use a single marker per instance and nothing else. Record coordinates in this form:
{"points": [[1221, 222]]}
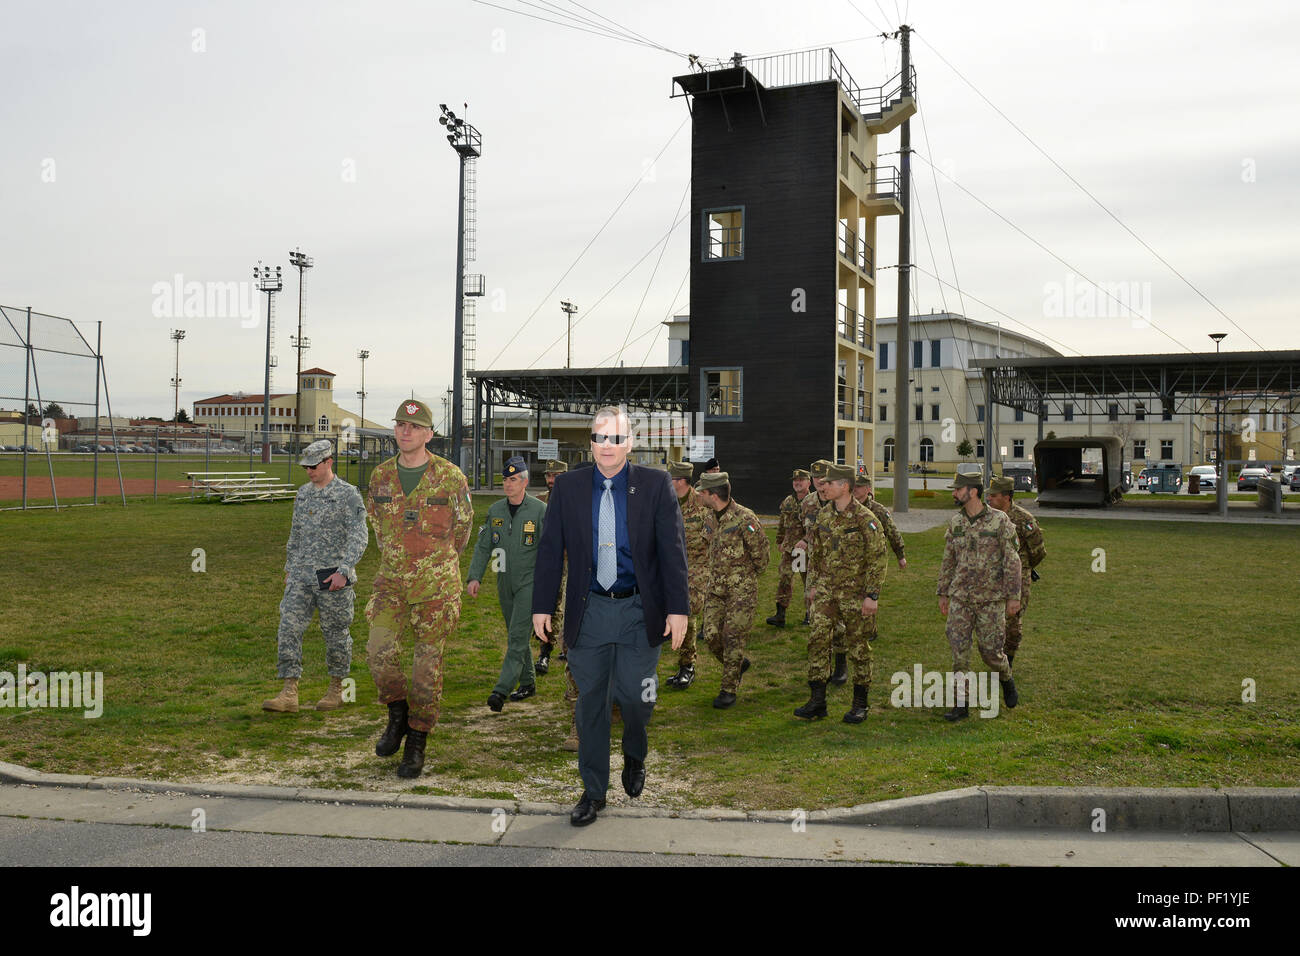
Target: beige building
{"points": [[321, 415], [946, 405]]}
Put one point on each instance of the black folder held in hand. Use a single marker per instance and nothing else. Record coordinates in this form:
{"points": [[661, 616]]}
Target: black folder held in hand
{"points": [[323, 576]]}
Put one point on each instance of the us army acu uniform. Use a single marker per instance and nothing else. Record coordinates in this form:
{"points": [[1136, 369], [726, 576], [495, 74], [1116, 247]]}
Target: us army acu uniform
{"points": [[980, 573], [510, 543], [738, 554], [556, 467], [1029, 533], [420, 537], [696, 522], [328, 532], [848, 550], [789, 530]]}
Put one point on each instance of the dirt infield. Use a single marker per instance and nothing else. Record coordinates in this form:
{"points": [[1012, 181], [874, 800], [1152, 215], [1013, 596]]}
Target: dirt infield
{"points": [[38, 487]]}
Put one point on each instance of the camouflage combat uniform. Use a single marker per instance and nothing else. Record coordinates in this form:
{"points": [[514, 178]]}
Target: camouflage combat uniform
{"points": [[557, 626], [979, 574], [696, 521], [738, 554], [420, 539], [1029, 533], [848, 549], [329, 531], [895, 539], [788, 532], [810, 506]]}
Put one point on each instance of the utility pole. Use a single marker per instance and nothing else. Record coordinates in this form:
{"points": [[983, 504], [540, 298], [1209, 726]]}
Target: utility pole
{"points": [[902, 436], [177, 335], [568, 308], [299, 342]]}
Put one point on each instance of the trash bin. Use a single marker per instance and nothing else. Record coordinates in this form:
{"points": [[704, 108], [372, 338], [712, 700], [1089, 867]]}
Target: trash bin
{"points": [[1165, 478], [1194, 485]]}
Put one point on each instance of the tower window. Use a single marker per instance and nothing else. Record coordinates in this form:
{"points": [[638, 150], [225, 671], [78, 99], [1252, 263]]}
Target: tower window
{"points": [[724, 233]]}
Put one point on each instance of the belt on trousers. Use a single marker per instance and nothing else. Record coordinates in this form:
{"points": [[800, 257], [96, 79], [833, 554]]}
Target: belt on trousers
{"points": [[617, 595]]}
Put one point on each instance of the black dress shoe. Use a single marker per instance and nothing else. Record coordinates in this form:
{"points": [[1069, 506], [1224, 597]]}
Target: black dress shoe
{"points": [[524, 692], [724, 700], [496, 702], [683, 678], [633, 776], [586, 810]]}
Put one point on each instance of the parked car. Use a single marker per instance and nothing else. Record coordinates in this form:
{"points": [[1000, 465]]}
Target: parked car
{"points": [[1144, 479], [1248, 478], [1207, 474], [1294, 484], [1289, 473]]}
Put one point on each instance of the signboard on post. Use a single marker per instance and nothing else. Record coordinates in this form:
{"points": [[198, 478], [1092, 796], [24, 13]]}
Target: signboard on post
{"points": [[548, 449], [701, 448]]}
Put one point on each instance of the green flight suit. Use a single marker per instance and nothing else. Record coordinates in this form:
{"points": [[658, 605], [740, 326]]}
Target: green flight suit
{"points": [[510, 544]]}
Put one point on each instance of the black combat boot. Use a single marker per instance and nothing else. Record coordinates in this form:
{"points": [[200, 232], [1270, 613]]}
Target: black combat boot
{"points": [[957, 713], [413, 757], [858, 712], [1009, 695], [392, 736], [543, 660], [778, 619], [816, 706], [683, 678], [841, 675]]}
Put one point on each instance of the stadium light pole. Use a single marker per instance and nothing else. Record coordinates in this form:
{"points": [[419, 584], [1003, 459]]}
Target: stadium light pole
{"points": [[363, 354], [299, 342], [568, 308], [1221, 492], [468, 144], [177, 335], [270, 283]]}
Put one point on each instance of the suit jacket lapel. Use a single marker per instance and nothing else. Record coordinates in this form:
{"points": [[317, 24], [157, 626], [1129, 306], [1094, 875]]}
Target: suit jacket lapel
{"points": [[633, 506]]}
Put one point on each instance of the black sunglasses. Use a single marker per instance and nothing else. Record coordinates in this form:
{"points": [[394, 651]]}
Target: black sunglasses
{"points": [[602, 439]]}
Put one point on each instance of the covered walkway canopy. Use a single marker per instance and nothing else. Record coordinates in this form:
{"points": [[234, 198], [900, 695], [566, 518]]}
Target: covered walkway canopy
{"points": [[649, 389], [1183, 383]]}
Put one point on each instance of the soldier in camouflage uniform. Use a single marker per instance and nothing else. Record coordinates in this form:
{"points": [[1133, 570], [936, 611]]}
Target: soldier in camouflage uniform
{"points": [[420, 508], [696, 518], [328, 534], [979, 585], [848, 569], [1030, 534], [788, 532], [554, 468], [862, 492], [738, 554], [814, 502], [511, 532], [543, 664]]}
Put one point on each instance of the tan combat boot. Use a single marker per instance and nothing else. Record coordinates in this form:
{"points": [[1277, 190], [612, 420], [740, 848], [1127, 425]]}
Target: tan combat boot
{"points": [[286, 702], [333, 698]]}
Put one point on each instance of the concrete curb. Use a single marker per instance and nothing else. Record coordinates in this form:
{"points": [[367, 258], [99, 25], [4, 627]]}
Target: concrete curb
{"points": [[1150, 809]]}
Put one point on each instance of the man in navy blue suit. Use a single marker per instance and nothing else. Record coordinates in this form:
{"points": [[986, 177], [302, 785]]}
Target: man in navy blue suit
{"points": [[627, 594]]}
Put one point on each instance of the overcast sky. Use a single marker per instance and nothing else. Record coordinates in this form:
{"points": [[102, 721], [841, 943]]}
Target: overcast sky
{"points": [[149, 140]]}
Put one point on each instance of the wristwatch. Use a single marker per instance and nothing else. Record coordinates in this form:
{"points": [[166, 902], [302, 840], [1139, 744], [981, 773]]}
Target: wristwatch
{"points": [[874, 595]]}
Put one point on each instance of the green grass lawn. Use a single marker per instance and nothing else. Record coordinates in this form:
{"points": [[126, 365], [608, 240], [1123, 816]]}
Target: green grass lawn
{"points": [[1129, 677]]}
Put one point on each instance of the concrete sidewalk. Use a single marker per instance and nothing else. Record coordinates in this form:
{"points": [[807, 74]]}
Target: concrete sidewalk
{"points": [[1018, 826]]}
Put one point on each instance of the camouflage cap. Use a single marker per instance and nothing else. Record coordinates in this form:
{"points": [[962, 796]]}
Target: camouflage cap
{"points": [[863, 480], [839, 473], [555, 467], [317, 452], [1002, 486], [967, 481], [818, 468], [713, 479], [514, 465], [800, 473], [681, 469], [414, 411]]}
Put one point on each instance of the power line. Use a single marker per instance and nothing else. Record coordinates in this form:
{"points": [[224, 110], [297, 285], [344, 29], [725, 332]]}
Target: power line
{"points": [[610, 35], [1058, 258], [625, 29], [547, 298], [1087, 193], [653, 272]]}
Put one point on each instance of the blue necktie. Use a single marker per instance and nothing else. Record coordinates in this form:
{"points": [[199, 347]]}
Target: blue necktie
{"points": [[607, 559]]}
